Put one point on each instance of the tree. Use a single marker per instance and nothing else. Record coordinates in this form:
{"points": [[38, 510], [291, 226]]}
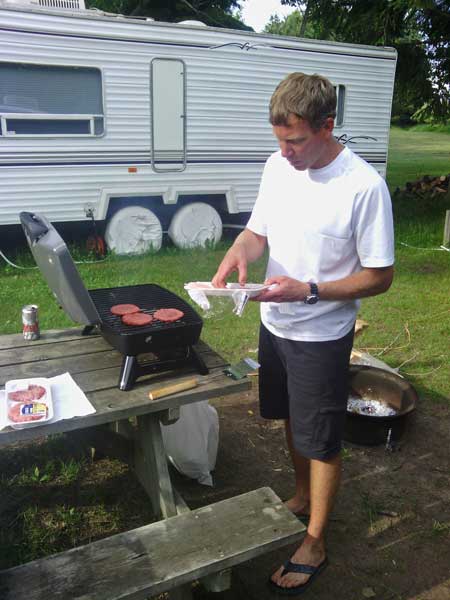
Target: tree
{"points": [[216, 13], [293, 25], [418, 29]]}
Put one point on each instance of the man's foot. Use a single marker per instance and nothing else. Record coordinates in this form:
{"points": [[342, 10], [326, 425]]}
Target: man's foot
{"points": [[299, 506], [311, 554]]}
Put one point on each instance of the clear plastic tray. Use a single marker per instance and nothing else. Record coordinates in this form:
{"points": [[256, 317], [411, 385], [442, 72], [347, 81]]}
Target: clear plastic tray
{"points": [[251, 289], [17, 385]]}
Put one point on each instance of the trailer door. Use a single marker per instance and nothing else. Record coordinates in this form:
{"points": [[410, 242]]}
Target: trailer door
{"points": [[168, 120]]}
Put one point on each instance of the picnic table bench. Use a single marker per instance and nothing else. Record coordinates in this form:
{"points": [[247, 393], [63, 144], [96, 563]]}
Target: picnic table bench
{"points": [[162, 556]]}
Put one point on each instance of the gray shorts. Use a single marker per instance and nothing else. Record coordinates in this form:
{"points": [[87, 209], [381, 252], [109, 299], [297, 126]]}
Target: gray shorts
{"points": [[307, 383]]}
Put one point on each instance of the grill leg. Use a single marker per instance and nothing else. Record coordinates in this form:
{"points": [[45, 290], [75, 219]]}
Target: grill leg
{"points": [[198, 361], [128, 373]]}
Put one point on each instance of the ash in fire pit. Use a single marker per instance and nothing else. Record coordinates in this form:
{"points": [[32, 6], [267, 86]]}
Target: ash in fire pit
{"points": [[374, 408], [379, 403]]}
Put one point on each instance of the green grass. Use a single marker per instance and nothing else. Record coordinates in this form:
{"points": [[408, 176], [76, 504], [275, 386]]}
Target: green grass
{"points": [[410, 323], [416, 152], [49, 504], [170, 268]]}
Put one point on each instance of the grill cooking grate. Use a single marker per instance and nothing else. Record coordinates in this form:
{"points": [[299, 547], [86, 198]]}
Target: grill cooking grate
{"points": [[149, 298]]}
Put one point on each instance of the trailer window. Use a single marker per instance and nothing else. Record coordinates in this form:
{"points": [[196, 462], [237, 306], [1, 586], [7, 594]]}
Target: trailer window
{"points": [[44, 100], [340, 93], [168, 100]]}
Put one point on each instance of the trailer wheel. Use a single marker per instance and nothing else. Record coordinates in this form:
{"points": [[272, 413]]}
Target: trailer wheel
{"points": [[195, 224], [133, 230]]}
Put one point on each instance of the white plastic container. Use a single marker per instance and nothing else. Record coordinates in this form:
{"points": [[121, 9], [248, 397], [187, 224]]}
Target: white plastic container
{"points": [[28, 398], [250, 289]]}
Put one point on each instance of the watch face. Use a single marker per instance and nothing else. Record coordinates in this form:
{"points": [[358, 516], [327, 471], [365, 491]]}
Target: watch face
{"points": [[311, 299]]}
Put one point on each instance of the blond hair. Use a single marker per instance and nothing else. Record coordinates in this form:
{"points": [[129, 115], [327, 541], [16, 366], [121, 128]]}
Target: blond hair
{"points": [[309, 97]]}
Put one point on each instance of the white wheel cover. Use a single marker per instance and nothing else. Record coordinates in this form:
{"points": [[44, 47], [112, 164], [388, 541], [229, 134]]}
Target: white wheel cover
{"points": [[195, 225], [133, 230]]}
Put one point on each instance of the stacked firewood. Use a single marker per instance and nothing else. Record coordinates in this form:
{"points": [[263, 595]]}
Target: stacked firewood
{"points": [[427, 186]]}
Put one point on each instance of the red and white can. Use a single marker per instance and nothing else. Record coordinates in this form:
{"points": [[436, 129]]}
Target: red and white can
{"points": [[30, 322]]}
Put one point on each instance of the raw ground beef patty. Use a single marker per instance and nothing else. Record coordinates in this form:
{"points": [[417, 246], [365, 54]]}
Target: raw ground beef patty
{"points": [[14, 413], [124, 309], [168, 315], [34, 392], [137, 319]]}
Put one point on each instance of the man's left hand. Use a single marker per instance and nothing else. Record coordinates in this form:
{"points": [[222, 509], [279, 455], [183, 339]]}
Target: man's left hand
{"points": [[285, 289]]}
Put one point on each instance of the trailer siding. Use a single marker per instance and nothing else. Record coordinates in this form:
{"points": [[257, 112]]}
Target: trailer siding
{"points": [[228, 91]]}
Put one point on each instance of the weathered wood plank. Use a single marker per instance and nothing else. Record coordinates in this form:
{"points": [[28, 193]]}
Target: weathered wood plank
{"points": [[151, 466], [86, 356], [49, 336], [114, 405], [56, 366], [102, 379], [29, 354], [161, 556]]}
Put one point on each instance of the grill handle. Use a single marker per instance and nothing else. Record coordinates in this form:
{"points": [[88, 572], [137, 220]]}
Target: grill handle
{"points": [[33, 226]]}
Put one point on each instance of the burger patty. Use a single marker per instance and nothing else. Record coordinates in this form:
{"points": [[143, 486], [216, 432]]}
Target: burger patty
{"points": [[124, 309], [137, 319], [168, 315], [37, 390], [34, 392], [14, 413]]}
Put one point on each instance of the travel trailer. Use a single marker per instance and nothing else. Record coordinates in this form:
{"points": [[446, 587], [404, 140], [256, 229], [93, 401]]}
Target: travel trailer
{"points": [[150, 127]]}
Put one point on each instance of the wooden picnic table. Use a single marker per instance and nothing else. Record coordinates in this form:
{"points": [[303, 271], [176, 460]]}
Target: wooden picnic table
{"points": [[165, 556], [127, 423]]}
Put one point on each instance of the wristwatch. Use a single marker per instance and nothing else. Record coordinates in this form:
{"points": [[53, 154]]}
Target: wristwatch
{"points": [[313, 297]]}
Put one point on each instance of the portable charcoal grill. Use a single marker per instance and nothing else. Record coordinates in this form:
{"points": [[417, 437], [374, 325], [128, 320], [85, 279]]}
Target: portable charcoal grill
{"points": [[162, 346]]}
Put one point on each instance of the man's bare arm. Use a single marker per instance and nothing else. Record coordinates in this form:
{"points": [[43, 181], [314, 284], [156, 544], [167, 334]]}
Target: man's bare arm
{"points": [[248, 247], [365, 283], [368, 282]]}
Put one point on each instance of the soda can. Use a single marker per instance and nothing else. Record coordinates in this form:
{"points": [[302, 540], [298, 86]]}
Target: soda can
{"points": [[30, 322]]}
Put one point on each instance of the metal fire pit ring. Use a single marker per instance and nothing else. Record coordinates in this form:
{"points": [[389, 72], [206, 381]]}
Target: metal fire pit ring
{"points": [[372, 383]]}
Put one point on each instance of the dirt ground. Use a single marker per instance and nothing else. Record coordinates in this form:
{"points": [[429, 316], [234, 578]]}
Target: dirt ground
{"points": [[389, 537]]}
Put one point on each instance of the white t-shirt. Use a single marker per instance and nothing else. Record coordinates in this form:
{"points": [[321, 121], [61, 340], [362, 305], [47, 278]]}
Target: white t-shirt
{"points": [[321, 225]]}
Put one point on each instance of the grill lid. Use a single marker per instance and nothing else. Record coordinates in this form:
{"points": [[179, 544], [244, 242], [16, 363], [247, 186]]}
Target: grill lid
{"points": [[57, 267]]}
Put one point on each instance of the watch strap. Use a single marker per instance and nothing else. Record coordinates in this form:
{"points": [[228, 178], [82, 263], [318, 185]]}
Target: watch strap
{"points": [[314, 289]]}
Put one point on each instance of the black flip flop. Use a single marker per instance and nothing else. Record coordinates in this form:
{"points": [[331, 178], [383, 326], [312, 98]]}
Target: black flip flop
{"points": [[303, 517], [290, 567]]}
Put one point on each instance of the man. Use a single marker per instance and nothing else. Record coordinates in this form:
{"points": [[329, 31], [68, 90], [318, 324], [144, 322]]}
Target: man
{"points": [[325, 216]]}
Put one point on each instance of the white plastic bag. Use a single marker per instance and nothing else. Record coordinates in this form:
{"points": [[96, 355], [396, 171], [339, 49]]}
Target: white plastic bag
{"points": [[191, 443], [201, 292]]}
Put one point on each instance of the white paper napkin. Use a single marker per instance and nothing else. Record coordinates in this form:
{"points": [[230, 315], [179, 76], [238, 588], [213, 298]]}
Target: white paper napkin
{"points": [[68, 399]]}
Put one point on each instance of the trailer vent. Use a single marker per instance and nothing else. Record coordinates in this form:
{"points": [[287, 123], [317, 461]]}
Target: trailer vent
{"points": [[68, 4], [73, 4]]}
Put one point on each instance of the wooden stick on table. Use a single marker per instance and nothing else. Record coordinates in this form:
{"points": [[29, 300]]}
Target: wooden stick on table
{"points": [[173, 388]]}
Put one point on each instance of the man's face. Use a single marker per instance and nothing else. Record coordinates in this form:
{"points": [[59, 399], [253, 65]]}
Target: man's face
{"points": [[301, 146]]}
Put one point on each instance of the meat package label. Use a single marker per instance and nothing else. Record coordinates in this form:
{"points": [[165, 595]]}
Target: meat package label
{"points": [[34, 408]]}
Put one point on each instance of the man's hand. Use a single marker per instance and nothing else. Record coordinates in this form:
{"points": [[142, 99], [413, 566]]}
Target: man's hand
{"points": [[285, 289], [235, 260], [248, 247]]}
